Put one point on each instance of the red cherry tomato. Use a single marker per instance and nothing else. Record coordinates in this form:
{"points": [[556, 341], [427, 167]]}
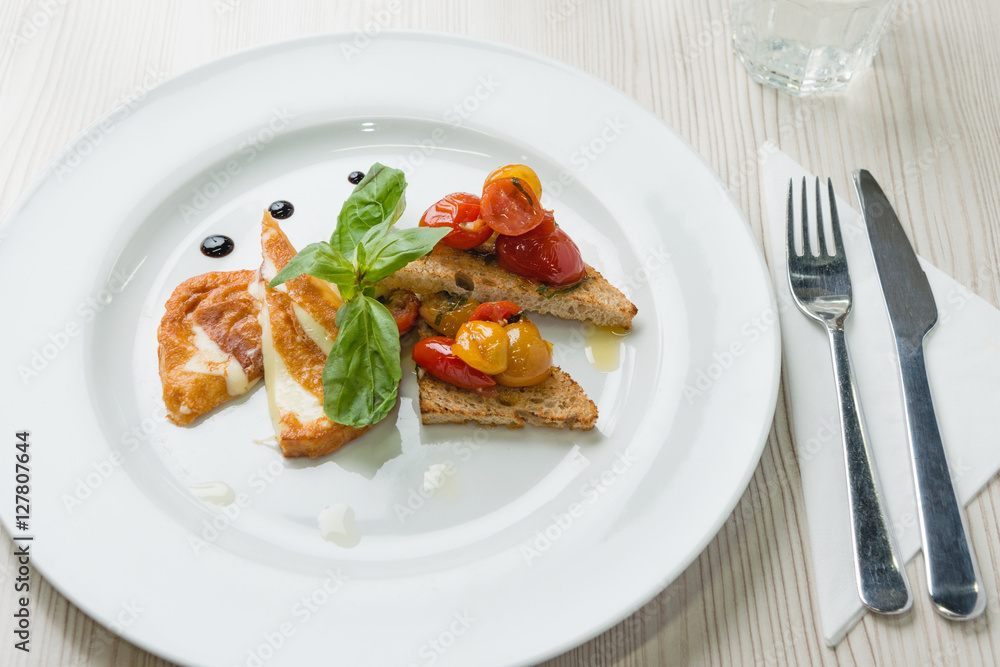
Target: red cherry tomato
{"points": [[547, 225], [404, 306], [460, 211], [435, 356], [546, 254], [511, 207], [495, 311]]}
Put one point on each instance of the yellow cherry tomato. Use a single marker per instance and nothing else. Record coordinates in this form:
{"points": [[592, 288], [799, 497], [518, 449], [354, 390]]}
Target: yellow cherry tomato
{"points": [[529, 357], [482, 345], [447, 312], [523, 172]]}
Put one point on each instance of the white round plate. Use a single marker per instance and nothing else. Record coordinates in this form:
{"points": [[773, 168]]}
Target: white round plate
{"points": [[539, 539]]}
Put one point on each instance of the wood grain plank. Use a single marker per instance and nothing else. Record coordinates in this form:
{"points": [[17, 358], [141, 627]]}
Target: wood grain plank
{"points": [[926, 117]]}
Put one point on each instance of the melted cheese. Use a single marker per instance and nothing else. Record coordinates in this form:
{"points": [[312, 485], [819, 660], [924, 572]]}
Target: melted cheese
{"points": [[209, 359], [316, 331], [268, 271], [217, 493], [337, 525], [283, 392]]}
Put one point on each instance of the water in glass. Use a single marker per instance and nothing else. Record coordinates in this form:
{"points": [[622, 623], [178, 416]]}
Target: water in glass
{"points": [[808, 46]]}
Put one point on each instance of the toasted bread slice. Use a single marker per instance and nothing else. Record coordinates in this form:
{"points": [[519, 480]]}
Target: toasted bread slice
{"points": [[298, 329], [209, 343], [559, 402], [475, 275]]}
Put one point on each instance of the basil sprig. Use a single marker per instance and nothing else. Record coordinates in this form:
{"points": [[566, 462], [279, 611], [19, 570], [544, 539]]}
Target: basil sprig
{"points": [[362, 373]]}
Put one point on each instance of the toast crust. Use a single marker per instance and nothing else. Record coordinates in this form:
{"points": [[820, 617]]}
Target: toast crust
{"points": [[559, 402], [474, 275]]}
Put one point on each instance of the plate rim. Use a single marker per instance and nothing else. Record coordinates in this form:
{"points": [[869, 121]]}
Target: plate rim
{"points": [[255, 52]]}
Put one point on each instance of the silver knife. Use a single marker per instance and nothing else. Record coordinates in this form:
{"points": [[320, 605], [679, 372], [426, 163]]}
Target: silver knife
{"points": [[953, 579]]}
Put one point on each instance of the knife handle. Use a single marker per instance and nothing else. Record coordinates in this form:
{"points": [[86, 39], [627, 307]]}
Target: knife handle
{"points": [[879, 571], [953, 578]]}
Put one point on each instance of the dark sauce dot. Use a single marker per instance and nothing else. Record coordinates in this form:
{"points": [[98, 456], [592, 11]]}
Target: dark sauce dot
{"points": [[281, 209], [217, 246], [356, 177]]}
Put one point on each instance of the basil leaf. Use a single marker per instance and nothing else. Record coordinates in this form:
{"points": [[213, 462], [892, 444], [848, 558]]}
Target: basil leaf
{"points": [[362, 373], [322, 261], [399, 247], [376, 199]]}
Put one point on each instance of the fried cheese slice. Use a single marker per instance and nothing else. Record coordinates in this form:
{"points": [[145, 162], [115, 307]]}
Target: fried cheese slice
{"points": [[209, 343], [298, 327]]}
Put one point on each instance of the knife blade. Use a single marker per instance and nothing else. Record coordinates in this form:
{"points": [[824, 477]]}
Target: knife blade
{"points": [[953, 578]]}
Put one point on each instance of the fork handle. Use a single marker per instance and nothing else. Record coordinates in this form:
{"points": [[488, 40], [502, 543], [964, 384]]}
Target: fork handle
{"points": [[881, 579], [953, 579]]}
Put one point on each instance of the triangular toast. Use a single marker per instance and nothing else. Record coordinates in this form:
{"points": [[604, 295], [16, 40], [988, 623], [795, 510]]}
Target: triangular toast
{"points": [[559, 402], [477, 276]]}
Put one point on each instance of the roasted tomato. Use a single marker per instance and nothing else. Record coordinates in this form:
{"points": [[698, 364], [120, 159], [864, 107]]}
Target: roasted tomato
{"points": [[529, 358], [546, 254], [434, 355], [523, 172], [496, 311], [511, 207], [460, 211], [404, 306], [446, 312], [482, 345]]}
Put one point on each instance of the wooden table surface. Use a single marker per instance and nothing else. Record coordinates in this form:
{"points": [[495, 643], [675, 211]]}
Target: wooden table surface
{"points": [[926, 117]]}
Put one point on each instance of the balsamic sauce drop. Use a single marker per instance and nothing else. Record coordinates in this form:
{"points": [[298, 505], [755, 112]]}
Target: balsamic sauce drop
{"points": [[217, 246], [356, 177], [281, 209]]}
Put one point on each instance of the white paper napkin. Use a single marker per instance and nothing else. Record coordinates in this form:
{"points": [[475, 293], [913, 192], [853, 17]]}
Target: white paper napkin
{"points": [[963, 366]]}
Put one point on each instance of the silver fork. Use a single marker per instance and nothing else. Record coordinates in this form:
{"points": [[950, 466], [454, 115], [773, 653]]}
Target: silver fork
{"points": [[821, 286]]}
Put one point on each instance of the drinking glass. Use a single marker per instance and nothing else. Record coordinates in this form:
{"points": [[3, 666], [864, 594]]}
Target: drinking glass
{"points": [[808, 46]]}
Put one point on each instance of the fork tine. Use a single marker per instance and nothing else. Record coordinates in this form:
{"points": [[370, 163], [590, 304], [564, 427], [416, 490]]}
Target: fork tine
{"points": [[838, 242], [806, 250], [790, 221], [820, 232]]}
